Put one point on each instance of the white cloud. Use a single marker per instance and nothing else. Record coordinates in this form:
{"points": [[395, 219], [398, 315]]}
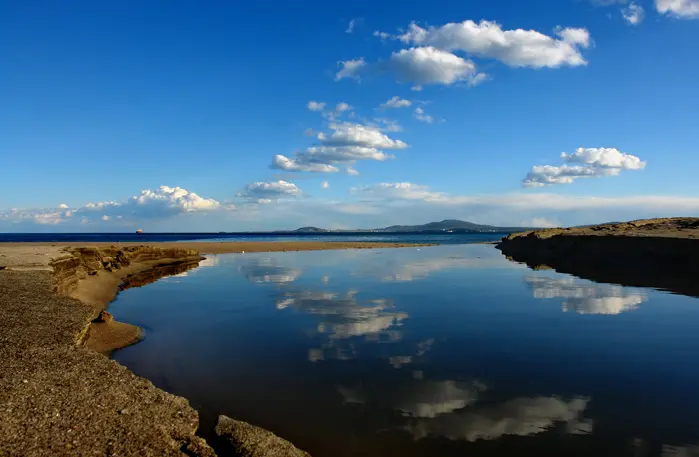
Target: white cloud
{"points": [[350, 134], [347, 143], [315, 106], [266, 192], [398, 190], [351, 69], [590, 162], [351, 171], [545, 175], [633, 14], [605, 158], [516, 48], [149, 204], [350, 27], [429, 65], [396, 102], [382, 35], [342, 107], [684, 9], [289, 164], [324, 185], [422, 117], [584, 297]]}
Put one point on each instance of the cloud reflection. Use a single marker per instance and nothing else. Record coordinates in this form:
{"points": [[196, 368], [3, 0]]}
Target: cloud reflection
{"points": [[261, 270], [344, 316], [455, 410], [584, 297]]}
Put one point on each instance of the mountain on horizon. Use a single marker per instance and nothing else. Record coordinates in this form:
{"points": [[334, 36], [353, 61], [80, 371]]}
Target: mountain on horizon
{"points": [[447, 225]]}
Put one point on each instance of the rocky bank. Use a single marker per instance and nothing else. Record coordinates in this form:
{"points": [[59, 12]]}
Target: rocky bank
{"points": [[658, 253]]}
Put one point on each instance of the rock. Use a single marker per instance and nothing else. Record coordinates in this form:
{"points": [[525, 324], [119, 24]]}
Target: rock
{"points": [[104, 316], [251, 441]]}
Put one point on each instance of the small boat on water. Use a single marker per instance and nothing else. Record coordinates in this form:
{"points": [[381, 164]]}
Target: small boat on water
{"points": [[139, 232]]}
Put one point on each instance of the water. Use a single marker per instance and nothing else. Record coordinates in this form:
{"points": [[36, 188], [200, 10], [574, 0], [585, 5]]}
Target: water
{"points": [[419, 238], [441, 351]]}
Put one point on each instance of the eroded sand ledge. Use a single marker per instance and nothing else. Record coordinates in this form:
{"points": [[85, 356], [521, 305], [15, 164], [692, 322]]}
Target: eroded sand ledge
{"points": [[58, 395], [659, 253]]}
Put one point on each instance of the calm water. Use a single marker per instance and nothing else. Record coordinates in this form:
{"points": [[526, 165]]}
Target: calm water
{"points": [[420, 238], [444, 351]]}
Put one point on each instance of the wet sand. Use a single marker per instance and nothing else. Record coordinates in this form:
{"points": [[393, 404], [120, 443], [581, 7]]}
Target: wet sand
{"points": [[58, 394], [229, 247]]}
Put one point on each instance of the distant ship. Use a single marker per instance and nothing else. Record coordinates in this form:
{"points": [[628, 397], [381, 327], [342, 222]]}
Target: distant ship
{"points": [[139, 231]]}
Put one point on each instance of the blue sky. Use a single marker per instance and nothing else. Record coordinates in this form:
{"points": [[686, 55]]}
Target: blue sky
{"points": [[168, 116]]}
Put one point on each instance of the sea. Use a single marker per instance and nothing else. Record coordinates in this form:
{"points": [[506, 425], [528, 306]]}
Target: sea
{"points": [[418, 237], [451, 350]]}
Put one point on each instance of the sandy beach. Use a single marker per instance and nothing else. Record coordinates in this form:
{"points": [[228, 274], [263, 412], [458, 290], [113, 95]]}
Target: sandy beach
{"points": [[59, 395]]}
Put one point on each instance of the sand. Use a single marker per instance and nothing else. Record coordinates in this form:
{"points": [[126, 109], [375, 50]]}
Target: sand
{"points": [[219, 247], [58, 394]]}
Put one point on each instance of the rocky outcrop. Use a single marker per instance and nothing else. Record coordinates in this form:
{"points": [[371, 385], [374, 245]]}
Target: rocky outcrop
{"points": [[80, 263], [248, 440], [659, 253]]}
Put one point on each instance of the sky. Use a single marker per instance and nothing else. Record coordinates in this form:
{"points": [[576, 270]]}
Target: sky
{"points": [[233, 116]]}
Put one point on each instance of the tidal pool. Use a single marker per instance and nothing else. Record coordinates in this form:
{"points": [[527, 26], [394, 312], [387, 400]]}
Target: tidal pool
{"points": [[440, 351]]}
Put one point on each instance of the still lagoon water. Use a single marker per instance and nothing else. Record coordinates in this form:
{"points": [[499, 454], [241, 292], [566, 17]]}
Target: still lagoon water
{"points": [[439, 351]]}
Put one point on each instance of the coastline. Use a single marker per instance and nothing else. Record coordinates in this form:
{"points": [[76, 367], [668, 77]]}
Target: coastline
{"points": [[657, 253], [59, 394]]}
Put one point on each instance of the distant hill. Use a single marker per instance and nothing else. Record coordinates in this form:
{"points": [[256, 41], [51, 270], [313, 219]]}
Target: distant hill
{"points": [[449, 225], [310, 230]]}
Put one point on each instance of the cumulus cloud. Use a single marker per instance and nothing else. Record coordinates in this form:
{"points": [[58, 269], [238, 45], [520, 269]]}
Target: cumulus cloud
{"points": [[345, 144], [588, 162], [351, 25], [683, 9], [350, 134], [429, 65], [397, 191], [266, 192], [421, 116], [352, 69], [324, 185], [396, 102], [149, 204], [633, 14], [315, 106], [584, 297], [516, 48]]}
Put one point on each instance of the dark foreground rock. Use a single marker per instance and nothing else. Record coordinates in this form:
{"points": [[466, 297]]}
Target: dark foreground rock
{"points": [[658, 253], [247, 440]]}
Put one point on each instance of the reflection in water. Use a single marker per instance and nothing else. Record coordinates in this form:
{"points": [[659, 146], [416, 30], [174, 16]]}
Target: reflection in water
{"points": [[585, 297], [680, 451], [346, 354], [259, 270], [151, 275], [454, 410], [344, 316], [428, 261]]}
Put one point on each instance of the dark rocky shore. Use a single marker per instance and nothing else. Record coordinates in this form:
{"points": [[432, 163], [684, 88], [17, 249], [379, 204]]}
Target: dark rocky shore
{"points": [[658, 253]]}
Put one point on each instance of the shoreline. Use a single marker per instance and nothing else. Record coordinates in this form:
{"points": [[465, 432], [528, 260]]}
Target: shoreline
{"points": [[658, 253], [59, 393]]}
